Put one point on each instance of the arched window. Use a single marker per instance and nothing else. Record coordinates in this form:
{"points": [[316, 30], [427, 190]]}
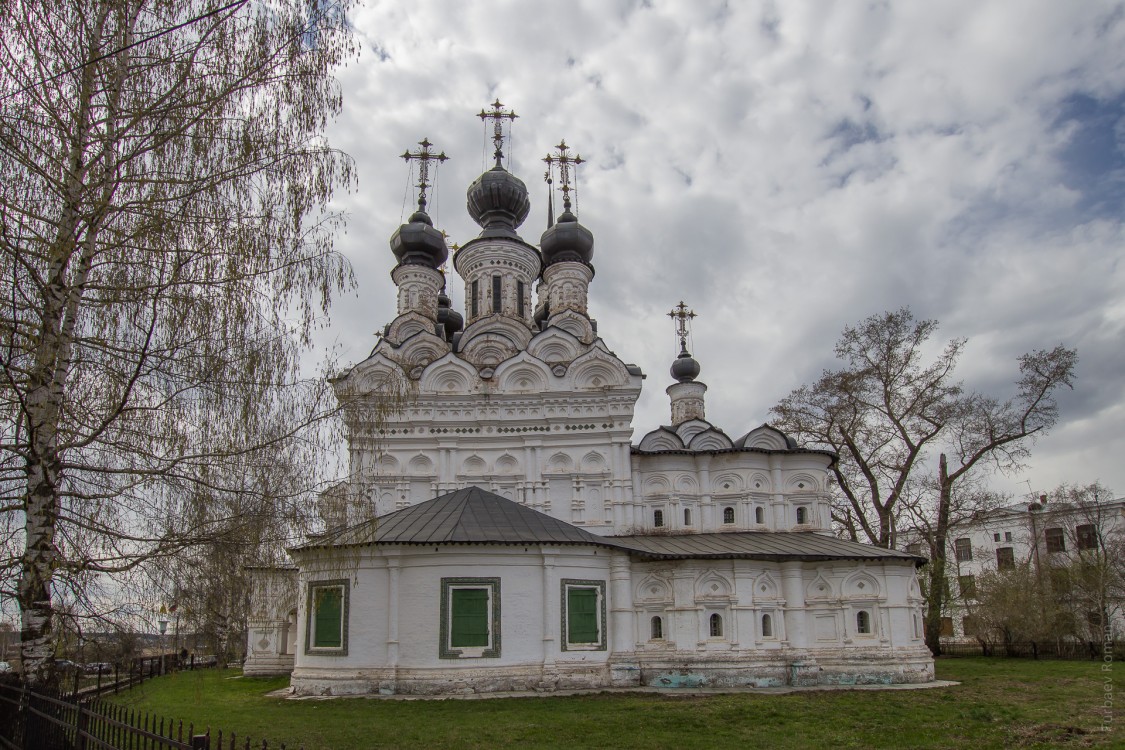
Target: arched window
{"points": [[658, 518], [716, 625], [863, 622], [759, 515], [802, 515], [657, 629], [728, 515], [687, 516], [767, 626]]}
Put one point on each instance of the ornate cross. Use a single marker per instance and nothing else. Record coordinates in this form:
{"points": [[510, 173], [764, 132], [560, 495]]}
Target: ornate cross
{"points": [[424, 156], [682, 317], [565, 162], [498, 115]]}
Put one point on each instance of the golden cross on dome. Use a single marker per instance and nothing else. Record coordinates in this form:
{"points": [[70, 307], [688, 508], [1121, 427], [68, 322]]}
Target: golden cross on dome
{"points": [[424, 156], [682, 317], [565, 162], [498, 115]]}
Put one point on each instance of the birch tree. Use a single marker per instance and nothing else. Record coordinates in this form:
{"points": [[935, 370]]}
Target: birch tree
{"points": [[165, 253]]}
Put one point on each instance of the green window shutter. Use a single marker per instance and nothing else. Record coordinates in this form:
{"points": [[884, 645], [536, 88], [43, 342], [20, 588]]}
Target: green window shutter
{"points": [[329, 617], [582, 615], [469, 626]]}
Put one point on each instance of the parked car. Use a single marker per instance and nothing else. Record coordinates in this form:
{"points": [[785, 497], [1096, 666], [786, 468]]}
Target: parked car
{"points": [[66, 665], [98, 667]]}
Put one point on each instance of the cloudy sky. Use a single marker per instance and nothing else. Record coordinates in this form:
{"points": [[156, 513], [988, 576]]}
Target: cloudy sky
{"points": [[784, 168]]}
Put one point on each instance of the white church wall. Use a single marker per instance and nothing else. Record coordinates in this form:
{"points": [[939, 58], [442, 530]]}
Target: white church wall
{"points": [[395, 629]]}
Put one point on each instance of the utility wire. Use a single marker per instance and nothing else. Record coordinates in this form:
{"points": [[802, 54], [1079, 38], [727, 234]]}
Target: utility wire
{"points": [[108, 55]]}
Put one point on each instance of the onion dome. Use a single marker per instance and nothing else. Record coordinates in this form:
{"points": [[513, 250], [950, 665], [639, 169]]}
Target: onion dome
{"points": [[567, 240], [447, 317], [685, 369], [498, 202], [418, 243]]}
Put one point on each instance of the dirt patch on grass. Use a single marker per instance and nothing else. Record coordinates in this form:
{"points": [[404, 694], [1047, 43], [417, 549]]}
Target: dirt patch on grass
{"points": [[1052, 735]]}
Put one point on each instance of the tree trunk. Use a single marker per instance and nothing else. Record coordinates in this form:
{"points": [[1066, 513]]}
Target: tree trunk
{"points": [[935, 597], [46, 383]]}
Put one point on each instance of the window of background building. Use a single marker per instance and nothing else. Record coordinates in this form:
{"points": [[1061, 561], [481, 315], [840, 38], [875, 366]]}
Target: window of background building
{"points": [[767, 626], [658, 518], [1087, 536], [863, 622], [968, 586], [1005, 558], [963, 548], [656, 629], [802, 515], [1007, 536], [1056, 540], [759, 515], [946, 627], [728, 515]]}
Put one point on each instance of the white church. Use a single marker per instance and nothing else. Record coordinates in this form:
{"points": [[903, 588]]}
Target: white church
{"points": [[500, 531]]}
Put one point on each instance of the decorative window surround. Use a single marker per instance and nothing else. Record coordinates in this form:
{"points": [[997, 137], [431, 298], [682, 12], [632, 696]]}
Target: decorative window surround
{"points": [[491, 649], [337, 591], [599, 643]]}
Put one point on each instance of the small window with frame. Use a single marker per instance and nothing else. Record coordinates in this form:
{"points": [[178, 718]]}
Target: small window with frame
{"points": [[715, 625], [728, 515], [470, 618], [583, 615], [326, 618]]}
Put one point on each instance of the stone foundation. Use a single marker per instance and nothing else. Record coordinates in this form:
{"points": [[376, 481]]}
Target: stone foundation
{"points": [[670, 670]]}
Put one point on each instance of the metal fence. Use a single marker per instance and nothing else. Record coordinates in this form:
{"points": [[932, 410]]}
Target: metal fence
{"points": [[1073, 650], [33, 721], [81, 685]]}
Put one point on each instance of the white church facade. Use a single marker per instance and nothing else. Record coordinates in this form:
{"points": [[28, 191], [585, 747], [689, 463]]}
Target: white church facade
{"points": [[500, 531]]}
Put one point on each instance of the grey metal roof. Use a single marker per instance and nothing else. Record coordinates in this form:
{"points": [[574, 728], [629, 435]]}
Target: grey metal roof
{"points": [[475, 516], [758, 545], [466, 516]]}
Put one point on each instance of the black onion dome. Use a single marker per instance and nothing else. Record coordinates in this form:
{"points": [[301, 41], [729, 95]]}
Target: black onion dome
{"points": [[567, 240], [449, 318], [498, 202], [685, 369], [418, 243]]}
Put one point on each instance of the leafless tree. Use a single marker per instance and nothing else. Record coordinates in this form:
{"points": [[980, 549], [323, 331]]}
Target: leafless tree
{"points": [[166, 253], [887, 407]]}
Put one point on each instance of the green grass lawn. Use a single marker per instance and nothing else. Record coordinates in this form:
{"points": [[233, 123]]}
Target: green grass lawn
{"points": [[1000, 703]]}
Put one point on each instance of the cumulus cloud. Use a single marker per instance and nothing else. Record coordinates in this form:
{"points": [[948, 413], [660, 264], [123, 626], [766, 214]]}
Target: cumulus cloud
{"points": [[785, 169]]}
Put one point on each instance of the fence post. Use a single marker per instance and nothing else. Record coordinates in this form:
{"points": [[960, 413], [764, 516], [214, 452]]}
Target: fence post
{"points": [[1034, 650], [81, 724]]}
